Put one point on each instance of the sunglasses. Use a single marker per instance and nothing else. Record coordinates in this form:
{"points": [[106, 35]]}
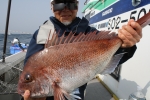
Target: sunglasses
{"points": [[61, 6]]}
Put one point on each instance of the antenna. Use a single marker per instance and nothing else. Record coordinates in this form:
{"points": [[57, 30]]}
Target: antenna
{"points": [[6, 31]]}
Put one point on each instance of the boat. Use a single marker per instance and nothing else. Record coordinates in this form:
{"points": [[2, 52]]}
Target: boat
{"points": [[17, 46], [122, 82], [111, 15]]}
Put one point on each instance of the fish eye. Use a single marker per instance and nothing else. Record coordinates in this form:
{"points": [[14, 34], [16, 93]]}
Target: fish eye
{"points": [[28, 78]]}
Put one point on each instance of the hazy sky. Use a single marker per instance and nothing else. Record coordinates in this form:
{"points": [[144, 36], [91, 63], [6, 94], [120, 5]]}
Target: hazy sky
{"points": [[27, 15]]}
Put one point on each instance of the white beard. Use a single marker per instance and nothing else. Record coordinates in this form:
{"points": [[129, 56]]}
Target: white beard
{"points": [[66, 23]]}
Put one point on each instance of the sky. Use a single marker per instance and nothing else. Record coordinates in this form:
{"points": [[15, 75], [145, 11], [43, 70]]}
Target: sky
{"points": [[27, 15]]}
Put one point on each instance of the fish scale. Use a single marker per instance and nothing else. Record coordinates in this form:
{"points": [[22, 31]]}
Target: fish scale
{"points": [[70, 62], [75, 58]]}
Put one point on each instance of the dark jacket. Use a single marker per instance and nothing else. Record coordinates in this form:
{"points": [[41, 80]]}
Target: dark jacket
{"points": [[78, 25]]}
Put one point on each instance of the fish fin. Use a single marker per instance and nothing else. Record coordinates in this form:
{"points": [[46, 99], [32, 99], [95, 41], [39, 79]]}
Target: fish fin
{"points": [[60, 94], [47, 41], [145, 20], [73, 97], [68, 37], [50, 39], [113, 63], [95, 35]]}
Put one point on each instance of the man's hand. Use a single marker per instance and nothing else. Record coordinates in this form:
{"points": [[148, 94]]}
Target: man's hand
{"points": [[130, 34], [26, 96]]}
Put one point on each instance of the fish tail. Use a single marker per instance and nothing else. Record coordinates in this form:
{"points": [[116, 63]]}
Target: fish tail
{"points": [[145, 20]]}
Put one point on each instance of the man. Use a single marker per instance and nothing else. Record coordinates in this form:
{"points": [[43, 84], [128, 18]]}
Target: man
{"points": [[17, 43], [65, 21]]}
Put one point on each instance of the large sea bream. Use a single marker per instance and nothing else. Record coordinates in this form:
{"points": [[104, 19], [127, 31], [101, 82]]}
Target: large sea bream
{"points": [[69, 63], [66, 63]]}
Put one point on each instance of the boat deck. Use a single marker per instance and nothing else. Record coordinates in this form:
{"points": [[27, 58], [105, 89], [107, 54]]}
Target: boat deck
{"points": [[96, 91]]}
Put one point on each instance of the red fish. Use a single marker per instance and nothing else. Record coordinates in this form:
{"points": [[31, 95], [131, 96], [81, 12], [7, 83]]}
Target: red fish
{"points": [[69, 62]]}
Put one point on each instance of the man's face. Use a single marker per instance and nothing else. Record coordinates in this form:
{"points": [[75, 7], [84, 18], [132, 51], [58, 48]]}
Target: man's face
{"points": [[66, 15]]}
